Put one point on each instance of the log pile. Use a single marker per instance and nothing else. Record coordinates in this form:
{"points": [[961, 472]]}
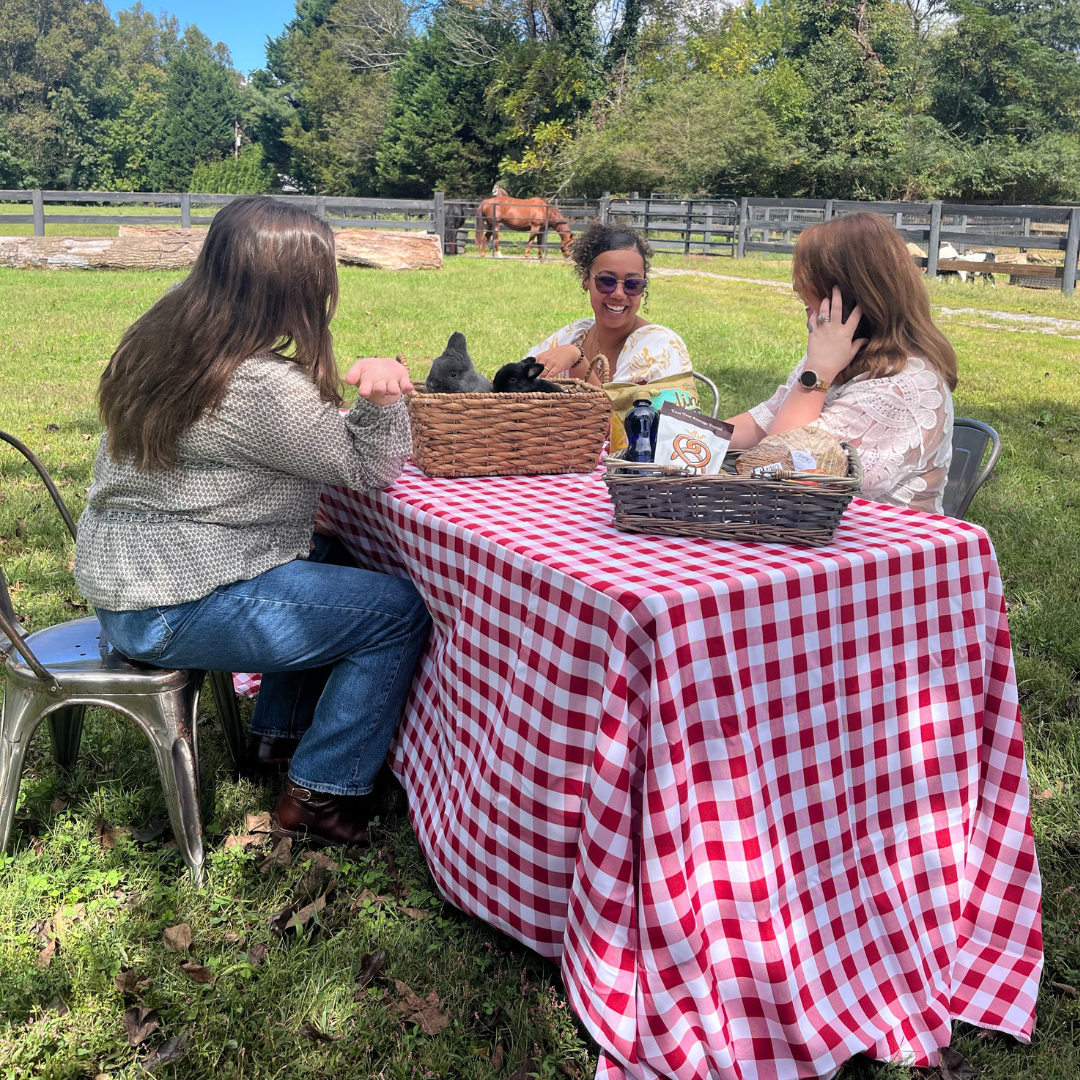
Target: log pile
{"points": [[148, 247]]}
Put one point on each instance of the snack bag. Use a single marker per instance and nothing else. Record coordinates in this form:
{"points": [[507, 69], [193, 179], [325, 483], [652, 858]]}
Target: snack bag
{"points": [[691, 440], [678, 389]]}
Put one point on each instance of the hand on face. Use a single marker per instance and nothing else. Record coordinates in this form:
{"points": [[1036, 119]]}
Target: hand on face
{"points": [[831, 348], [379, 379]]}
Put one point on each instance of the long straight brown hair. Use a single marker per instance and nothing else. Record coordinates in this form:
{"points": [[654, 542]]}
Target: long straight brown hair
{"points": [[866, 257], [265, 279]]}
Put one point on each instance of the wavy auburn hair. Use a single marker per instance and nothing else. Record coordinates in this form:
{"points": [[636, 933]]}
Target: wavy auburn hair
{"points": [[866, 257], [265, 279]]}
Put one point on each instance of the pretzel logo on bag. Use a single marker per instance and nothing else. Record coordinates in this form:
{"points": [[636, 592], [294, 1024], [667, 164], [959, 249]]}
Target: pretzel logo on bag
{"points": [[694, 443], [690, 450]]}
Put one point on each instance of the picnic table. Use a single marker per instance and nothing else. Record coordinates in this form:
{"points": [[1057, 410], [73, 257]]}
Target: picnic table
{"points": [[766, 806]]}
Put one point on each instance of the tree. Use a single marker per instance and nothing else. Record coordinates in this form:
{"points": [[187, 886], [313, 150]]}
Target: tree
{"points": [[199, 115]]}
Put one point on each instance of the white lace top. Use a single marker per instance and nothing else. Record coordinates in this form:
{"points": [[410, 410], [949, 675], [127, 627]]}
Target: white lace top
{"points": [[651, 352], [902, 426]]}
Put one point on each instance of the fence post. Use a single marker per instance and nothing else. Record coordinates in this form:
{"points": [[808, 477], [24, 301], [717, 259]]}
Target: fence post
{"points": [[185, 210], [744, 222], [439, 216], [828, 209], [1072, 250], [39, 212], [320, 207], [689, 223], [707, 235], [935, 239], [544, 236], [605, 208]]}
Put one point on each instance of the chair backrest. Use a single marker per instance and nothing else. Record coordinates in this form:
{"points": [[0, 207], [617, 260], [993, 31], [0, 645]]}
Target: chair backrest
{"points": [[712, 386], [967, 472]]}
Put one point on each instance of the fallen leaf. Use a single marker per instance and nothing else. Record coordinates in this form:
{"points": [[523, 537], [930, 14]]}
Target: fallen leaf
{"points": [[953, 1066], [370, 966], [71, 568], [280, 855], [86, 437], [1066, 989], [368, 897], [178, 938], [430, 1021], [310, 1031], [66, 917], [1045, 794], [570, 1068], [140, 1023], [257, 953], [58, 805], [167, 1052], [232, 938], [279, 923], [244, 840], [258, 823], [151, 832], [306, 914], [498, 1056], [416, 913], [109, 834], [409, 1000], [196, 972], [45, 957], [527, 1069], [127, 982], [311, 885], [168, 844], [323, 862]]}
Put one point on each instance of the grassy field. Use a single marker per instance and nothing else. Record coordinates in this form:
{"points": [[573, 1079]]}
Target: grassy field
{"points": [[504, 1005]]}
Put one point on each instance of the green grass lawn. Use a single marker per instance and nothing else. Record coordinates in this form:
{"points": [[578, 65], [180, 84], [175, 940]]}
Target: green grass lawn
{"points": [[504, 1005]]}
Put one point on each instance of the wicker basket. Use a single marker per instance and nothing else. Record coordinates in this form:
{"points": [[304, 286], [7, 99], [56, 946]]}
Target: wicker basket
{"points": [[804, 509], [510, 434]]}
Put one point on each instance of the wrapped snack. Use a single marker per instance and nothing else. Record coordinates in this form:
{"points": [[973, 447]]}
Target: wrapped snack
{"points": [[691, 440], [801, 450]]}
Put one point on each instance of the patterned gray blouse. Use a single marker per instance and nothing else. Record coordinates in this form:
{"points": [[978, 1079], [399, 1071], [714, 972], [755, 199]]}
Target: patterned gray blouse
{"points": [[243, 495]]}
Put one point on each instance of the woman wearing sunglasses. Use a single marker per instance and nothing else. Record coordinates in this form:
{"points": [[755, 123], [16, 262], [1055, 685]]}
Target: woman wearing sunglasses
{"points": [[613, 263]]}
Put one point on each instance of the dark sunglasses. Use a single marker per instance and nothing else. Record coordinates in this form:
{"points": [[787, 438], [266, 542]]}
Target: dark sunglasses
{"points": [[608, 283]]}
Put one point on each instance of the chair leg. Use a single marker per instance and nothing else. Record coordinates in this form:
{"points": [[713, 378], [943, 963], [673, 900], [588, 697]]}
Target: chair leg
{"points": [[21, 715], [169, 721], [65, 731], [228, 710]]}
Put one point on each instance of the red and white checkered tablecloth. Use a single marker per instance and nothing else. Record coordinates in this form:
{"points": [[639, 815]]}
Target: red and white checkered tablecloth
{"points": [[767, 806]]}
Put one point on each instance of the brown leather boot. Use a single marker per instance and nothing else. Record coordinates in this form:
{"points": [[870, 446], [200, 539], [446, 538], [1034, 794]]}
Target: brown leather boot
{"points": [[268, 755], [321, 818]]}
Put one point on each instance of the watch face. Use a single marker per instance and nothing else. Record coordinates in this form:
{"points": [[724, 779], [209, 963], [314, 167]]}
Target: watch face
{"points": [[808, 378]]}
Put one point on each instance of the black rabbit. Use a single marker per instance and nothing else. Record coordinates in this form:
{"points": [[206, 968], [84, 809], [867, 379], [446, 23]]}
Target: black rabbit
{"points": [[523, 378], [453, 371]]}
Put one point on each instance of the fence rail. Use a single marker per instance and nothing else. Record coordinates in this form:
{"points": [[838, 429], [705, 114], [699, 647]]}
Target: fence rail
{"points": [[708, 226]]}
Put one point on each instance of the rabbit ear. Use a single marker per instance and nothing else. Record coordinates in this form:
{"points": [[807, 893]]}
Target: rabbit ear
{"points": [[533, 371], [456, 342]]}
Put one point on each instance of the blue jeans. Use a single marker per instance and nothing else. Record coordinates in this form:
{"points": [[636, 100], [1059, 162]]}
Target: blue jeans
{"points": [[337, 647]]}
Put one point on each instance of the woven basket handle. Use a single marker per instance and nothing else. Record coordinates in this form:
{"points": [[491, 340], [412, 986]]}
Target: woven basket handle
{"points": [[601, 361]]}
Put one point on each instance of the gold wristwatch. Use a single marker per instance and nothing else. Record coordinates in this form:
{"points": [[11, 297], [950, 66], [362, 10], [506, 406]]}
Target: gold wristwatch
{"points": [[812, 381]]}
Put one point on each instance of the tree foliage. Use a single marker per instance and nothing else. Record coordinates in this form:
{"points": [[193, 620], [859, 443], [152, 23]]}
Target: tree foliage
{"points": [[966, 99]]}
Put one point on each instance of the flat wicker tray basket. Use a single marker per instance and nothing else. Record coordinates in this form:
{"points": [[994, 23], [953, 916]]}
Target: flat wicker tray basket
{"points": [[510, 434], [728, 507]]}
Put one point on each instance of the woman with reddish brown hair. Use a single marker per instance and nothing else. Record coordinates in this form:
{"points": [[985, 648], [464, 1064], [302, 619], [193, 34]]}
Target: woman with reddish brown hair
{"points": [[877, 372]]}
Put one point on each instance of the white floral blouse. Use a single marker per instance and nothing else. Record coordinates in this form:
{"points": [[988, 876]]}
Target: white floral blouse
{"points": [[901, 425], [651, 352]]}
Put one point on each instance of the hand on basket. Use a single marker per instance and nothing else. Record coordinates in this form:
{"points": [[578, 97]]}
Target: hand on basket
{"points": [[379, 379], [559, 361], [830, 348]]}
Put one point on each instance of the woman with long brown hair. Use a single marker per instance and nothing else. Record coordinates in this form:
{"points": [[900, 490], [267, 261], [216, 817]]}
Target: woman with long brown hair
{"points": [[221, 407], [877, 372]]}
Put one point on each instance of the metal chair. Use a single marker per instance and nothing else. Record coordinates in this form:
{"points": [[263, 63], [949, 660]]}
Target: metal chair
{"points": [[712, 386], [970, 440], [57, 672]]}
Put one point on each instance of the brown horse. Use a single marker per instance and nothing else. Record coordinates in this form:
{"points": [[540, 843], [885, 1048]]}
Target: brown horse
{"points": [[536, 215]]}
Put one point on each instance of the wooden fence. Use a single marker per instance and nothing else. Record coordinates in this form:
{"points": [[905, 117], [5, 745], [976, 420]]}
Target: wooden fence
{"points": [[711, 226]]}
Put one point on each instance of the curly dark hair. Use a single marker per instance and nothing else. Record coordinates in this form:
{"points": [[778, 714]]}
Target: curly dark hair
{"points": [[598, 238]]}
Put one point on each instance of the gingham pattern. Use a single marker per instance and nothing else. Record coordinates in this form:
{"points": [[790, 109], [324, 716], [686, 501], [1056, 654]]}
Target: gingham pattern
{"points": [[767, 806]]}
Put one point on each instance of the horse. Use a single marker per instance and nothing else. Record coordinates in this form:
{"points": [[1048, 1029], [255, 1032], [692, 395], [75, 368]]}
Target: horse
{"points": [[536, 215]]}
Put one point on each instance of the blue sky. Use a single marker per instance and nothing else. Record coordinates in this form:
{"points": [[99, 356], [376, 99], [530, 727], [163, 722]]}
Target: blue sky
{"points": [[243, 25]]}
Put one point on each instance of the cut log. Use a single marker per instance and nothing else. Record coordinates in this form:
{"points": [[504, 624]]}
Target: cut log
{"points": [[148, 247], [176, 252], [389, 249]]}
